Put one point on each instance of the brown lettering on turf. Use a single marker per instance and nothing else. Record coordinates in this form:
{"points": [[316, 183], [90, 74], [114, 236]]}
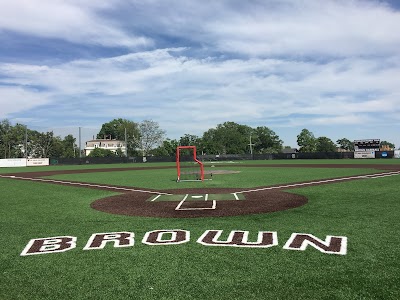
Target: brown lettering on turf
{"points": [[120, 239], [49, 245], [331, 245], [265, 239], [166, 237]]}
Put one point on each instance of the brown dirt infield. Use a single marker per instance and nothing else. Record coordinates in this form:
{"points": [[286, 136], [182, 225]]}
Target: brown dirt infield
{"points": [[133, 203]]}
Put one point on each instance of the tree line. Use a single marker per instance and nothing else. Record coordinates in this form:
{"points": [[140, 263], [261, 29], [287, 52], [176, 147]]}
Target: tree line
{"points": [[147, 138], [309, 143], [19, 141]]}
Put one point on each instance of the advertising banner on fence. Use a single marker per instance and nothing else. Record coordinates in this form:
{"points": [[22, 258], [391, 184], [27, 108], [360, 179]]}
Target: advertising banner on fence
{"points": [[364, 154], [396, 153], [33, 162], [13, 162], [23, 162]]}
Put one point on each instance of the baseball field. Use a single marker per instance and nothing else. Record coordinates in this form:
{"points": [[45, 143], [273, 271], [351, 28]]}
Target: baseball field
{"points": [[298, 229]]}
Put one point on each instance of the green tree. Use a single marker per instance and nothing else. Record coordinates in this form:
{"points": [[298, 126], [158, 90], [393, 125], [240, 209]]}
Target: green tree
{"points": [[119, 153], [307, 141], [190, 140], [57, 149], [168, 148], [325, 144], [388, 144], [345, 144], [151, 136], [227, 138], [5, 127], [266, 141], [11, 139], [210, 143], [43, 144], [69, 147], [17, 140], [116, 128], [100, 152]]}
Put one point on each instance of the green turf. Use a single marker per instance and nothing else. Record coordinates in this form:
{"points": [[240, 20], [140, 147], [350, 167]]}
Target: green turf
{"points": [[196, 197], [366, 211], [206, 163], [81, 167], [248, 177]]}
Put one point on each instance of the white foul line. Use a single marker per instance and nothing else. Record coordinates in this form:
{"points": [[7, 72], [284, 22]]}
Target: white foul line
{"points": [[84, 184], [370, 176]]}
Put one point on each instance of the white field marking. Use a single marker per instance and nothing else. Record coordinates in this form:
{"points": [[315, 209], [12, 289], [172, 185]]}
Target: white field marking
{"points": [[236, 196], [369, 176], [385, 175], [221, 162], [85, 184], [180, 203], [154, 199], [198, 208], [196, 180], [206, 197]]}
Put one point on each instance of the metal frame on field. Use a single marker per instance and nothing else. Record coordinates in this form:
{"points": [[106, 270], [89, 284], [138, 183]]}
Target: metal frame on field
{"points": [[178, 164]]}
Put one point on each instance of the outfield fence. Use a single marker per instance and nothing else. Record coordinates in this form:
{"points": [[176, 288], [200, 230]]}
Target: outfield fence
{"points": [[216, 158]]}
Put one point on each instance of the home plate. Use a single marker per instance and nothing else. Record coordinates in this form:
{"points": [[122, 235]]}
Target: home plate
{"points": [[196, 202], [197, 197]]}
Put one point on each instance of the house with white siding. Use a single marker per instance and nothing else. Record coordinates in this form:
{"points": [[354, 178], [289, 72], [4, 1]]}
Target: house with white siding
{"points": [[112, 145]]}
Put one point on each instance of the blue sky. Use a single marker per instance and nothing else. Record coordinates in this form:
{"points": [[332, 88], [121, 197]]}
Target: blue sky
{"points": [[330, 66]]}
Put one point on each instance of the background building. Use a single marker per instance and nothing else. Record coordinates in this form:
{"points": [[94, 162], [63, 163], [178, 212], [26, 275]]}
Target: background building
{"points": [[112, 145]]}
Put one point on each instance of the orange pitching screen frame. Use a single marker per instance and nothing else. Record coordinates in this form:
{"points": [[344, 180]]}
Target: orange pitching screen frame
{"points": [[178, 164]]}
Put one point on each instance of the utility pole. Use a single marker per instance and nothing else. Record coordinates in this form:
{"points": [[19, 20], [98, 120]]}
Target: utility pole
{"points": [[126, 145], [26, 141], [251, 146], [80, 152]]}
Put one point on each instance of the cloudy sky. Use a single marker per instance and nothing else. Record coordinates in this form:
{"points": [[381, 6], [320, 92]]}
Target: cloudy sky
{"points": [[330, 66]]}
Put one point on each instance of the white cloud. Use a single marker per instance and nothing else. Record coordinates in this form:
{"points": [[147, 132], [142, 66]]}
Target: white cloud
{"points": [[308, 28], [74, 21], [272, 63], [14, 99], [236, 89]]}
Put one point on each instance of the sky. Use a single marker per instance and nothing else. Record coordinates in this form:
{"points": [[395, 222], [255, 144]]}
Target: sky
{"points": [[332, 66]]}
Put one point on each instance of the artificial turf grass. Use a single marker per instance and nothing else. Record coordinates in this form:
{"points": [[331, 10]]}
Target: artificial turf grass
{"points": [[207, 164], [194, 271], [247, 178]]}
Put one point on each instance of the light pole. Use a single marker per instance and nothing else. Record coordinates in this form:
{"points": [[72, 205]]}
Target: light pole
{"points": [[251, 146], [26, 141]]}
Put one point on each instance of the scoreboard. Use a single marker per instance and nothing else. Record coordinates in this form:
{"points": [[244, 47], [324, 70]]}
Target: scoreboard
{"points": [[364, 145]]}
